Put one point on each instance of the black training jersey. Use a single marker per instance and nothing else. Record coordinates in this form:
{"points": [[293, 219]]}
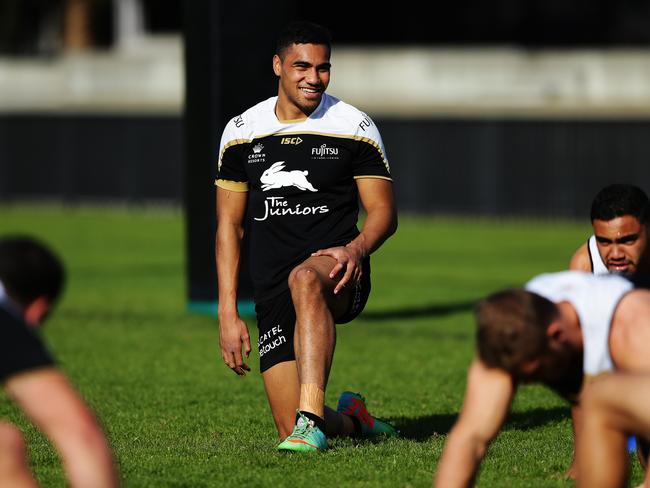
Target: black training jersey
{"points": [[300, 176], [20, 346]]}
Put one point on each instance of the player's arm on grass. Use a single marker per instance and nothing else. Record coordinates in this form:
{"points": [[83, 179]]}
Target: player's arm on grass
{"points": [[580, 261], [381, 222], [233, 332], [576, 419], [55, 407], [487, 401]]}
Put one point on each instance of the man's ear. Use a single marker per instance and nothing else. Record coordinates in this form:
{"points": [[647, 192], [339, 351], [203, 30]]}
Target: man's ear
{"points": [[36, 311], [555, 332], [277, 65]]}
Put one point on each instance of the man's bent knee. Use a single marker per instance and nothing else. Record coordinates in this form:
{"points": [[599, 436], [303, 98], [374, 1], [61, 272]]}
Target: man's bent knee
{"points": [[602, 406], [305, 279]]}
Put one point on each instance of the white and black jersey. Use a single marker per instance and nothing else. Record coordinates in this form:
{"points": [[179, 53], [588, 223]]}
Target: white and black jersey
{"points": [[300, 178]]}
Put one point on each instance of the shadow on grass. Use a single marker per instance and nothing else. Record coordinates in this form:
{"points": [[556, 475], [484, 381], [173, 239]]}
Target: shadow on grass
{"points": [[437, 310], [536, 417], [142, 312], [126, 314], [423, 428]]}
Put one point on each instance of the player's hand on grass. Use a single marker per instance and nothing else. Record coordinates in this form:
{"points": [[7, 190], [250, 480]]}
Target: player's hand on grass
{"points": [[571, 472], [348, 261], [233, 334]]}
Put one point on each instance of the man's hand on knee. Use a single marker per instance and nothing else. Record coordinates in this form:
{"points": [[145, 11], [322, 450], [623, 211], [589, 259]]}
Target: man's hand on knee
{"points": [[348, 261]]}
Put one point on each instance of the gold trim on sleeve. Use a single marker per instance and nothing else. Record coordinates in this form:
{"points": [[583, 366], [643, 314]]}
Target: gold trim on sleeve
{"points": [[376, 177], [238, 186]]}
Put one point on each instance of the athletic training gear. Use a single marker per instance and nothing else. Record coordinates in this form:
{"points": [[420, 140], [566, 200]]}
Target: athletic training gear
{"points": [[354, 405], [276, 321], [306, 437], [300, 176], [597, 265], [594, 299]]}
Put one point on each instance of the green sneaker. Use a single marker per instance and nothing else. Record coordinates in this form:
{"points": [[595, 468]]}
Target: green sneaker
{"points": [[306, 437], [354, 405]]}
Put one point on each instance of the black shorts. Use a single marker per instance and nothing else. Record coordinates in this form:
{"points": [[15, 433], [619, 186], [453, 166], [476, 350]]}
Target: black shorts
{"points": [[276, 320]]}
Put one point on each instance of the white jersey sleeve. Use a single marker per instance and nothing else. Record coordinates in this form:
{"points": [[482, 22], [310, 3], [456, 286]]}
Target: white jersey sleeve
{"points": [[231, 172], [373, 153]]}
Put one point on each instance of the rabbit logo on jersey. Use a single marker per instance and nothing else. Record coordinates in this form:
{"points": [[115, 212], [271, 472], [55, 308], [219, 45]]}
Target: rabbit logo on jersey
{"points": [[273, 178]]}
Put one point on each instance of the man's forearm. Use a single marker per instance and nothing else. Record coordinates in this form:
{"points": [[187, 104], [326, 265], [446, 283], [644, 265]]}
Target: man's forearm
{"points": [[379, 225], [459, 462], [228, 258], [88, 459], [69, 423]]}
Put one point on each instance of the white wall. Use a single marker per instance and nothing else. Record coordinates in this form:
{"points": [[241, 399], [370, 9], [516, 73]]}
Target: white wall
{"points": [[388, 81]]}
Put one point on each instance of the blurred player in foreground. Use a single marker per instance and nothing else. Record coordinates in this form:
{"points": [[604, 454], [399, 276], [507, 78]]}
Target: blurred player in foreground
{"points": [[31, 279], [561, 329], [614, 407], [296, 166]]}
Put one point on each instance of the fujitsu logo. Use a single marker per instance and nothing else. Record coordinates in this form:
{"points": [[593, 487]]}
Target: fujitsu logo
{"points": [[323, 150]]}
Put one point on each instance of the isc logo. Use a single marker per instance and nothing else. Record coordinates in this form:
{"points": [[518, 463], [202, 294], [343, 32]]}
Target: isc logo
{"points": [[291, 140]]}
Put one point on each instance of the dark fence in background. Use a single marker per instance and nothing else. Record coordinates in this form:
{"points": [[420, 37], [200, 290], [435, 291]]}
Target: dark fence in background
{"points": [[541, 168], [91, 157], [544, 168]]}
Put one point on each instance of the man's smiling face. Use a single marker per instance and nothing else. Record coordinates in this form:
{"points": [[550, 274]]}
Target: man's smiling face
{"points": [[304, 72]]}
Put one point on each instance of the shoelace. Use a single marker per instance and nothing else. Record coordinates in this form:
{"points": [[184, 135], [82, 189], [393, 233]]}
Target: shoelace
{"points": [[302, 431]]}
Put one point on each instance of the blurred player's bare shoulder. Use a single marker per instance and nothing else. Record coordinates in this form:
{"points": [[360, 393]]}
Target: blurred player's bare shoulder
{"points": [[630, 333]]}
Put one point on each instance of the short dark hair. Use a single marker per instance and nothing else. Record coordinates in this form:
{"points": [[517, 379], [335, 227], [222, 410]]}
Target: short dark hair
{"points": [[511, 327], [618, 200], [29, 270], [302, 32]]}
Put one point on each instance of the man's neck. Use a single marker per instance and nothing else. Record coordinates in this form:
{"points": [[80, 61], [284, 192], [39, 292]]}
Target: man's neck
{"points": [[289, 114], [286, 111]]}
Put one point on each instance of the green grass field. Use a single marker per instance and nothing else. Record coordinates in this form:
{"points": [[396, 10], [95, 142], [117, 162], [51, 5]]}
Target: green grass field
{"points": [[177, 417]]}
